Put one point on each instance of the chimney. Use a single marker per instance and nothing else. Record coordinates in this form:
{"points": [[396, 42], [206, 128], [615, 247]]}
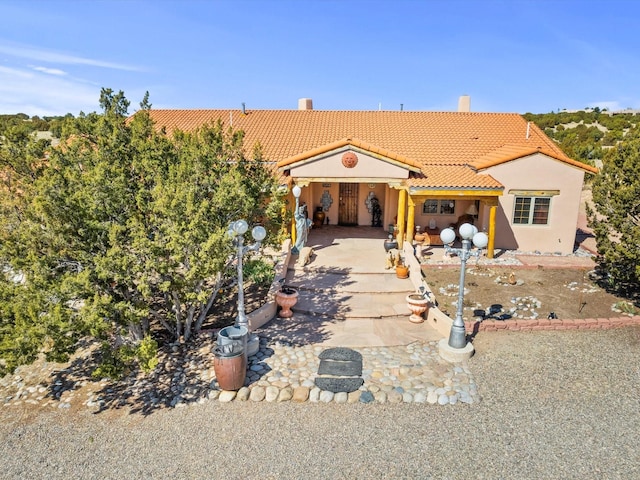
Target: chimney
{"points": [[305, 104], [464, 103]]}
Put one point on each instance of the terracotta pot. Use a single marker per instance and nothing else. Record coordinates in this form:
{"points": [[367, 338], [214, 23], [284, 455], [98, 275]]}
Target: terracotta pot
{"points": [[402, 271], [419, 237], [417, 305], [286, 298], [230, 369], [318, 218]]}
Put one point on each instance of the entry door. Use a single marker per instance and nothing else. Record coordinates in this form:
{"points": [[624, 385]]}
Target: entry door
{"points": [[348, 211]]}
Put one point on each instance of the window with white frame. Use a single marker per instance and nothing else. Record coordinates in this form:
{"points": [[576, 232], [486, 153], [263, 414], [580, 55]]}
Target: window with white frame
{"points": [[439, 207], [531, 210]]}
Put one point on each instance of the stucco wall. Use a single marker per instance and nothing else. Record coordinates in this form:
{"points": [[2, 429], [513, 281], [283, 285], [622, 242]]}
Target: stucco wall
{"points": [[538, 172], [332, 167]]}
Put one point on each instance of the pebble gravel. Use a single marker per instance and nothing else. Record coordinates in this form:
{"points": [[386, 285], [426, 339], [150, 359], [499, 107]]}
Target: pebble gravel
{"points": [[554, 405]]}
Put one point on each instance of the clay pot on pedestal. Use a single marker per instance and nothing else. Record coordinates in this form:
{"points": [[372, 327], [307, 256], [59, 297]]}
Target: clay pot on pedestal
{"points": [[417, 305], [286, 298]]}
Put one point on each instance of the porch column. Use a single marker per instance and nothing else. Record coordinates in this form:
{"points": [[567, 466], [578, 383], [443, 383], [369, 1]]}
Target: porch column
{"points": [[402, 208], [492, 231], [411, 219], [293, 232]]}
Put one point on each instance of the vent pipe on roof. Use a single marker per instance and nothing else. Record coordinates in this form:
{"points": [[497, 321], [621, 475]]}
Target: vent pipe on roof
{"points": [[244, 109], [528, 129], [305, 104], [464, 103], [401, 106]]}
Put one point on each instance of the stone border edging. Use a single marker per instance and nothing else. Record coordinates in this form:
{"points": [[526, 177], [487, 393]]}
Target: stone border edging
{"points": [[550, 324], [268, 311]]}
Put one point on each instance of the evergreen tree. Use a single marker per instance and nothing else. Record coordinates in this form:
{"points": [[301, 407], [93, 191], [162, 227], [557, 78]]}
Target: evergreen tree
{"points": [[123, 228], [616, 219]]}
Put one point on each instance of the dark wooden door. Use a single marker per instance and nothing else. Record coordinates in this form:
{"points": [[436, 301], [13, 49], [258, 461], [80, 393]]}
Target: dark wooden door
{"points": [[348, 208]]}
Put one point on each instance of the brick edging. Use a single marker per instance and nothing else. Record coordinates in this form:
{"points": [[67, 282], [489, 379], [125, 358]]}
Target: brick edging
{"points": [[550, 324]]}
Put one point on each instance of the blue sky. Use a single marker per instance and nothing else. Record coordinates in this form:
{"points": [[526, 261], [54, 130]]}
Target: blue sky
{"points": [[509, 56]]}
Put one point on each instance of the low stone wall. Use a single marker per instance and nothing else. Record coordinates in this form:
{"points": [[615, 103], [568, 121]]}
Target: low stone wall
{"points": [[550, 324], [262, 315], [435, 317], [442, 322]]}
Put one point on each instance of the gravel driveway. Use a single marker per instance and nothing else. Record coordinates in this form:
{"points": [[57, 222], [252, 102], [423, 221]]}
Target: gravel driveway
{"points": [[555, 405]]}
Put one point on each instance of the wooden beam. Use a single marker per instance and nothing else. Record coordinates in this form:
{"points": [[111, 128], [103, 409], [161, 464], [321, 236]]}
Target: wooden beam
{"points": [[473, 194]]}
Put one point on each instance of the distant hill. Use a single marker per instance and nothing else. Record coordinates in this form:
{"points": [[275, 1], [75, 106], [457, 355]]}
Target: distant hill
{"points": [[585, 134]]}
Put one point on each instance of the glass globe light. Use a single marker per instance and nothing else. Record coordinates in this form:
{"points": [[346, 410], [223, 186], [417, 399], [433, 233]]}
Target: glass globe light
{"points": [[447, 236], [296, 191], [466, 231], [475, 230], [258, 233], [480, 240], [240, 227]]}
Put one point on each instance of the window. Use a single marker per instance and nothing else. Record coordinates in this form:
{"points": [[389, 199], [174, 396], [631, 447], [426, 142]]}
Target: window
{"points": [[430, 207], [439, 207], [531, 211]]}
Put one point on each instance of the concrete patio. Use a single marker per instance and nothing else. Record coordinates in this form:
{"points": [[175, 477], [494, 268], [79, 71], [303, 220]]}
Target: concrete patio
{"points": [[347, 297]]}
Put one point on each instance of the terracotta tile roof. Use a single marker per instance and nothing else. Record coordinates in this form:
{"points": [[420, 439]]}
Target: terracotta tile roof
{"points": [[416, 139], [512, 152], [453, 177]]}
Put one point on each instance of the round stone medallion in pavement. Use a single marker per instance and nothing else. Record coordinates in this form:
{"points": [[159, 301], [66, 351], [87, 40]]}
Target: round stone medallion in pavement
{"points": [[340, 370]]}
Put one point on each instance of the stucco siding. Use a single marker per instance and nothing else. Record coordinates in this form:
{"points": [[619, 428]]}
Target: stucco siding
{"points": [[332, 167], [535, 173]]}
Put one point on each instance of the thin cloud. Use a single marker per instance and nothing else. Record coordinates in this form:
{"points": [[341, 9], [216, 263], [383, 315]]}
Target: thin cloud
{"points": [[48, 56], [36, 93], [50, 71], [14, 72]]}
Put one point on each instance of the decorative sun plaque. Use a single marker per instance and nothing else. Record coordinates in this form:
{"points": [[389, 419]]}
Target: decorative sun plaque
{"points": [[349, 159]]}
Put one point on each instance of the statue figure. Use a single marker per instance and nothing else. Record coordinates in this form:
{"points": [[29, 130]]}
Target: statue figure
{"points": [[302, 228], [376, 213]]}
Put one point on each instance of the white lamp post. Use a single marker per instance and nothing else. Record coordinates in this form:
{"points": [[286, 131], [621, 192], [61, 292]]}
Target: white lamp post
{"points": [[236, 231], [469, 234]]}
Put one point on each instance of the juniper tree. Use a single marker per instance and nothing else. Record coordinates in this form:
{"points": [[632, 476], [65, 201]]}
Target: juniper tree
{"points": [[616, 218], [126, 226]]}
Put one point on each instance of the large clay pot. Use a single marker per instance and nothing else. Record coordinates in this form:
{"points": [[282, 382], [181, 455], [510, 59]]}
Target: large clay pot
{"points": [[230, 368], [417, 305], [286, 298], [318, 218]]}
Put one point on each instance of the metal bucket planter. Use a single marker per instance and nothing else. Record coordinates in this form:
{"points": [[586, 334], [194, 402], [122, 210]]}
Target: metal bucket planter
{"points": [[234, 335], [230, 366]]}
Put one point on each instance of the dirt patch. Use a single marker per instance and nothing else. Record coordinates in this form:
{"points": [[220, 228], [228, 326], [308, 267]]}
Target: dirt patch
{"points": [[508, 292], [224, 310]]}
